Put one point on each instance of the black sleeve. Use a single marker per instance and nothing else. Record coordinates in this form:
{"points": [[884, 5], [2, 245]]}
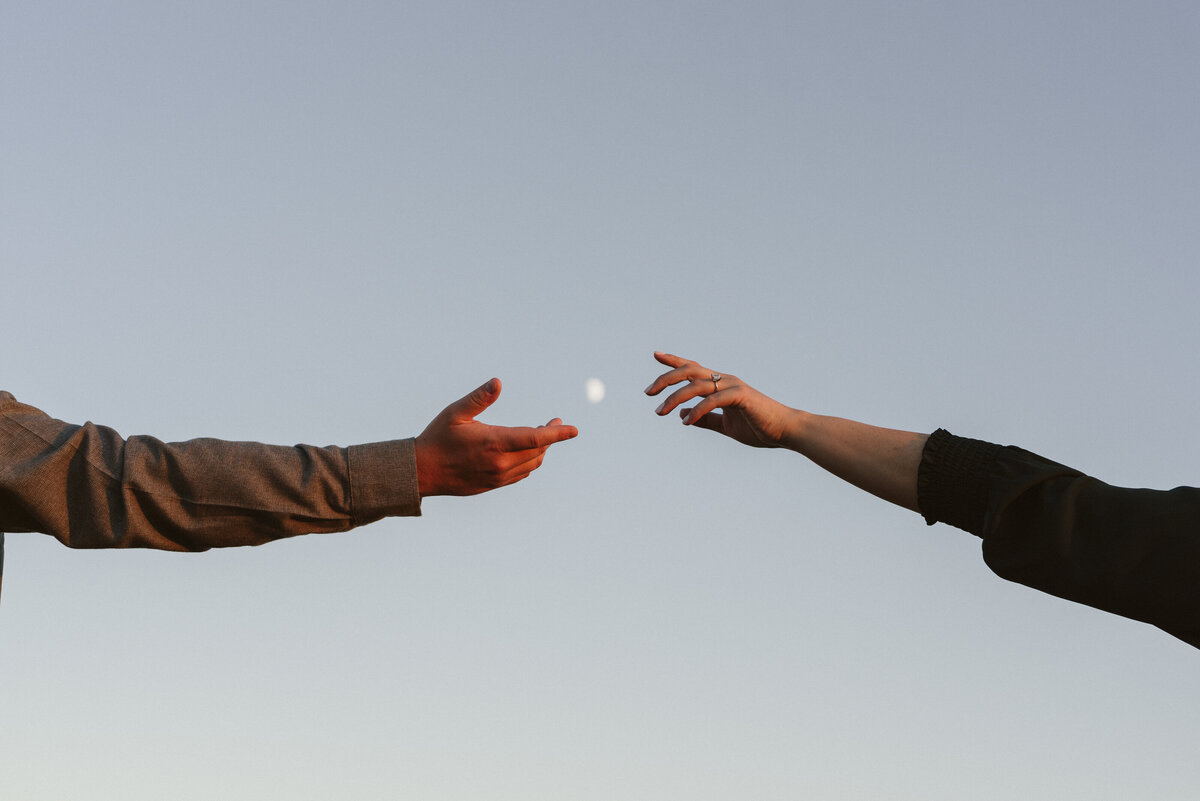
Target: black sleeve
{"points": [[1132, 552]]}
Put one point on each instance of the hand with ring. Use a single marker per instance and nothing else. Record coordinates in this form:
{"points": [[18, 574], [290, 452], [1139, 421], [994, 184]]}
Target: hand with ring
{"points": [[727, 406], [881, 461]]}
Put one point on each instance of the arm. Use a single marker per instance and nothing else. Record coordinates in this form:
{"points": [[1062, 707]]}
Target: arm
{"points": [[1133, 552], [881, 461], [90, 488]]}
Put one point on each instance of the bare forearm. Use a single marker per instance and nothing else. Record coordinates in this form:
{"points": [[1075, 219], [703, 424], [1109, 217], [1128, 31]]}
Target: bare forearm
{"points": [[882, 461]]}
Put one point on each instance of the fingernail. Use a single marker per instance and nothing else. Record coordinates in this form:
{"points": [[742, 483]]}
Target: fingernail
{"points": [[659, 410], [687, 418], [647, 389]]}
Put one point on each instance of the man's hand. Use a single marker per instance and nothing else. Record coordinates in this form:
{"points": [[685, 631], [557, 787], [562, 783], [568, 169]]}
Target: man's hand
{"points": [[458, 455]]}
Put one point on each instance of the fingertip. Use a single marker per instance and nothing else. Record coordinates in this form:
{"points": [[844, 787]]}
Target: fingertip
{"points": [[489, 388], [559, 433]]}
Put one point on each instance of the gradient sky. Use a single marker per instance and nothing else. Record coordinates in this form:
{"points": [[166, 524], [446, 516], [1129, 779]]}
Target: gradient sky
{"points": [[323, 221]]}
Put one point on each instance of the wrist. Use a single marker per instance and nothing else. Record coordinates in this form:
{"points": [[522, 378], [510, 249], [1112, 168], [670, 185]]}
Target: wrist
{"points": [[426, 469], [797, 430]]}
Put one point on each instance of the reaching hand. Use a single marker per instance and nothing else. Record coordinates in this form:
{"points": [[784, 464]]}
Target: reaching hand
{"points": [[458, 455], [745, 414]]}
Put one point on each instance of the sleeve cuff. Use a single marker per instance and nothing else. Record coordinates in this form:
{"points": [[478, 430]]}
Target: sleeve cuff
{"points": [[383, 480], [953, 480]]}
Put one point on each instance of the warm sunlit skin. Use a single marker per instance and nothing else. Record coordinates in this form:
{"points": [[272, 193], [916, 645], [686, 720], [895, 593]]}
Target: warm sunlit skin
{"points": [[458, 455], [882, 461]]}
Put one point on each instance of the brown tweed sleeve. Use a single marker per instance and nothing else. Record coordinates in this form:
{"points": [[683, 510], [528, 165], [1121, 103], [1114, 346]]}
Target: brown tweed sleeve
{"points": [[91, 488]]}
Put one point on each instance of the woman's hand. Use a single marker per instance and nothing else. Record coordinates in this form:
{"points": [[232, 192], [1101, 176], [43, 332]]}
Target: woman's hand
{"points": [[728, 405], [881, 461]]}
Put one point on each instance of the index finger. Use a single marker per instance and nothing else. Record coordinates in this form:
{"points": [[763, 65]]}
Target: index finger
{"points": [[523, 438], [670, 377], [669, 359]]}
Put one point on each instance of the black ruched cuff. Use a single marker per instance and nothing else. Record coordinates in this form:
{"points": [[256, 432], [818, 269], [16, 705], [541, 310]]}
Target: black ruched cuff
{"points": [[953, 480]]}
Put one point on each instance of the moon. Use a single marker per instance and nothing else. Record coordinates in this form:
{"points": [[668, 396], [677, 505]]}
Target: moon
{"points": [[594, 389]]}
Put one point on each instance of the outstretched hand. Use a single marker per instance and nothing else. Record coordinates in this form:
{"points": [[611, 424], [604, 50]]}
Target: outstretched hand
{"points": [[728, 405], [458, 455]]}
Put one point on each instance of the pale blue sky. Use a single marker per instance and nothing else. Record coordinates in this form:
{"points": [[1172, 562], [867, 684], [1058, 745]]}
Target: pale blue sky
{"points": [[321, 222]]}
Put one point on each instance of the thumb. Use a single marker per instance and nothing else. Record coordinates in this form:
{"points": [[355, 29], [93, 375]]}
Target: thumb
{"points": [[713, 421], [467, 407]]}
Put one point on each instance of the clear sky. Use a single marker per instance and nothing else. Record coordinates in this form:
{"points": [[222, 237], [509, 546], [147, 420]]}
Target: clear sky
{"points": [[322, 221]]}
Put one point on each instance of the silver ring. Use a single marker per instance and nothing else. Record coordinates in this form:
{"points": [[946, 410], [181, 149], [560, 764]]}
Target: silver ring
{"points": [[715, 378]]}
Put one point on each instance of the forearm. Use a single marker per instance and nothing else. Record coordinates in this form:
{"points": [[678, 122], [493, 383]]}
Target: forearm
{"points": [[1134, 552], [882, 461], [91, 488]]}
